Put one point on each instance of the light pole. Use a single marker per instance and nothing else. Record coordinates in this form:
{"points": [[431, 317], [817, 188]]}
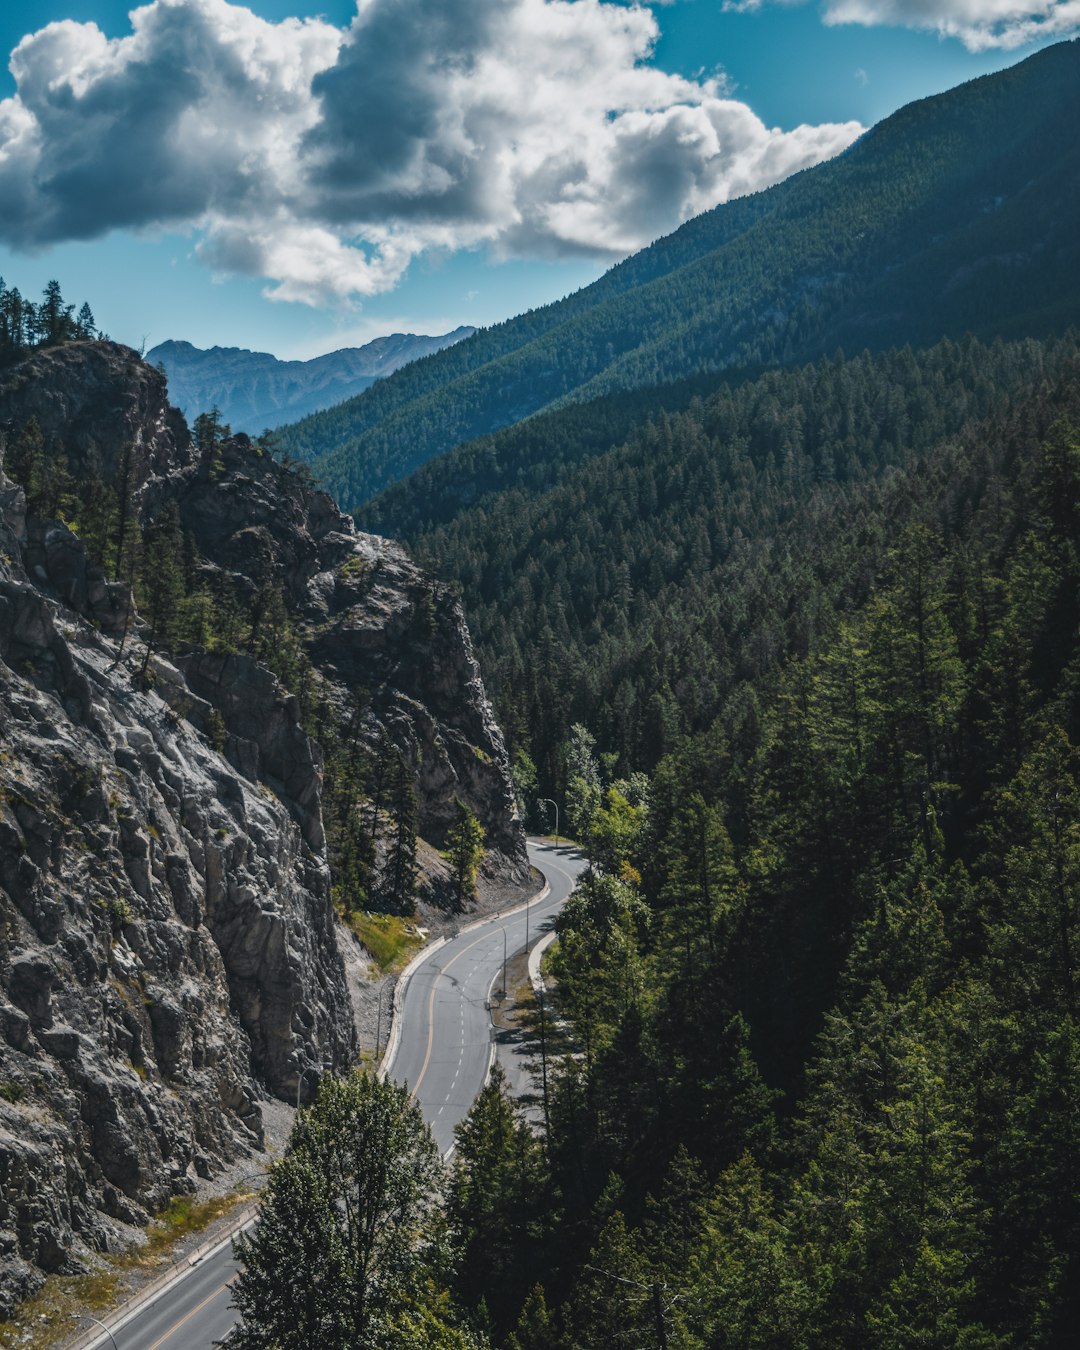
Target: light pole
{"points": [[504, 961], [311, 1068], [78, 1317], [556, 806]]}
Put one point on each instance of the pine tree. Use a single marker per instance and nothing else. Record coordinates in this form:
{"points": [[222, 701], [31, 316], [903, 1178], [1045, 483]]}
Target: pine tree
{"points": [[85, 326], [161, 582], [537, 1326], [211, 433], [464, 850], [125, 486], [24, 460], [1038, 830], [617, 1303], [294, 1290], [398, 884], [750, 1294], [95, 508], [495, 1201], [701, 886], [54, 321]]}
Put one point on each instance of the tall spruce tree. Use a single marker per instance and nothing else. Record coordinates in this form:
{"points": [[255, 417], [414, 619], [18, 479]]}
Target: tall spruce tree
{"points": [[464, 850], [398, 888]]}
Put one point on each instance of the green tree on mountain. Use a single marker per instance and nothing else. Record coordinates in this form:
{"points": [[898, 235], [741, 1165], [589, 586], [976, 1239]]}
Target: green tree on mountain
{"points": [[464, 851]]}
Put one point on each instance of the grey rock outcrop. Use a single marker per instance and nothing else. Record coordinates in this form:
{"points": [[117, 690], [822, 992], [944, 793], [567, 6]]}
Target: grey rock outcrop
{"points": [[374, 621], [168, 950], [166, 939]]}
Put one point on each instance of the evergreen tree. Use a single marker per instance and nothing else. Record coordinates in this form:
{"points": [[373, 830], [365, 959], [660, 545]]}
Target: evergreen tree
{"points": [[94, 508], [495, 1201], [24, 460], [751, 1296], [1038, 937], [211, 434], [617, 1304], [54, 321], [399, 871], [85, 326], [161, 582], [464, 850]]}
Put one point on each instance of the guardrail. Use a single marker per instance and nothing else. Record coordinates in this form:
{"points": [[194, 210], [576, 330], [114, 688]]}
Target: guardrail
{"points": [[176, 1271], [402, 981]]}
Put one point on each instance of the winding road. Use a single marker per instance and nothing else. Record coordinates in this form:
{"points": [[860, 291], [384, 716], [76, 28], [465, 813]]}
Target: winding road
{"points": [[442, 1049], [446, 1042]]}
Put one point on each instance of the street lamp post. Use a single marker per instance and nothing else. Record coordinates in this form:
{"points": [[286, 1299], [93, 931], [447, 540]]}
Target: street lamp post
{"points": [[549, 802], [78, 1317], [504, 961], [311, 1068]]}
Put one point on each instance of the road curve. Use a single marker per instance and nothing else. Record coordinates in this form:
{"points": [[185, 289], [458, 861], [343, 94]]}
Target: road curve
{"points": [[445, 1043], [443, 1053]]}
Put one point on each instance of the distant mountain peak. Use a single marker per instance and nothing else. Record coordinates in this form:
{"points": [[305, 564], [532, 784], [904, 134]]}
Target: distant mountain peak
{"points": [[255, 390]]}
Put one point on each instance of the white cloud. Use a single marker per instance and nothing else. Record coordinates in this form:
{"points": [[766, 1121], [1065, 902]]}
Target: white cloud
{"points": [[978, 24], [325, 160]]}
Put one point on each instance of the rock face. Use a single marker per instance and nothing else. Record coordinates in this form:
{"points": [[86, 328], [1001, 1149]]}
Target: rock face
{"points": [[167, 942], [375, 622]]}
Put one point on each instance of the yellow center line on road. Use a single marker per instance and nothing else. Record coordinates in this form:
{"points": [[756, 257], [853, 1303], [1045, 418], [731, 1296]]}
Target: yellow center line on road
{"points": [[434, 989], [187, 1318], [431, 1014]]}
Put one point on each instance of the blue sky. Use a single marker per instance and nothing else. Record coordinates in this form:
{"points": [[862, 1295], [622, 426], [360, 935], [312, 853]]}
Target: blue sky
{"points": [[234, 178]]}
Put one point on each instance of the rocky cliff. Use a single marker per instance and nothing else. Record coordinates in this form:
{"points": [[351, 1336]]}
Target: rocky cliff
{"points": [[168, 950]]}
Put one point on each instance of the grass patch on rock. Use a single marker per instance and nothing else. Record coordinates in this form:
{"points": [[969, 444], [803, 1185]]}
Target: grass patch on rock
{"points": [[48, 1319], [391, 939]]}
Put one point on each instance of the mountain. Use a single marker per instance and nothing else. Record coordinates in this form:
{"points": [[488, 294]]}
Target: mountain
{"points": [[958, 213], [810, 1045], [625, 563], [255, 390], [225, 718]]}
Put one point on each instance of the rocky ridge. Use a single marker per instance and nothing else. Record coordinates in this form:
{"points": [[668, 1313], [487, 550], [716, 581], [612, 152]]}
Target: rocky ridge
{"points": [[168, 947]]}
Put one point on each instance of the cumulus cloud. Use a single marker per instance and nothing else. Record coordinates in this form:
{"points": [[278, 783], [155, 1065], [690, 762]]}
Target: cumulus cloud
{"points": [[325, 159], [979, 24]]}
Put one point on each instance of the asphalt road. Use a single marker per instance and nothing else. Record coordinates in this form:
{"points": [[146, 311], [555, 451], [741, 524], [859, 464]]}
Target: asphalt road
{"points": [[446, 1039], [443, 1053], [191, 1314]]}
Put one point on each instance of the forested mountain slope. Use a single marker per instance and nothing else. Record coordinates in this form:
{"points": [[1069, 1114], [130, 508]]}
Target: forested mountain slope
{"points": [[813, 1079], [635, 589], [960, 212]]}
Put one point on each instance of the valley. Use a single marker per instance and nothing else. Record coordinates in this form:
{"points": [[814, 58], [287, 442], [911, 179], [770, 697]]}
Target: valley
{"points": [[750, 572]]}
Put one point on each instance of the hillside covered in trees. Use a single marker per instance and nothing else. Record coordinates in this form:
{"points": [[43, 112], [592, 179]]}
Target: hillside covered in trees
{"points": [[958, 213], [642, 589], [792, 638], [809, 1047], [819, 1081]]}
